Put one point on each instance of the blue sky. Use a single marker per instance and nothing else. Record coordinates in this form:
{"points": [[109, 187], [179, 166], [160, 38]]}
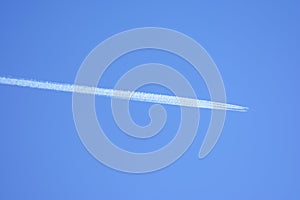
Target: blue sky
{"points": [[256, 48]]}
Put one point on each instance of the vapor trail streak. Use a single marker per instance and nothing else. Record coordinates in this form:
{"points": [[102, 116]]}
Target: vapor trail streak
{"points": [[122, 94]]}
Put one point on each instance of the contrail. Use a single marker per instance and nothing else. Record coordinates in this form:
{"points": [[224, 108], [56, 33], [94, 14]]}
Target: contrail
{"points": [[122, 94]]}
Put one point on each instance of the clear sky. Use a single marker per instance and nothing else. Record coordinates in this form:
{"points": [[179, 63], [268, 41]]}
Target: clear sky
{"points": [[256, 48]]}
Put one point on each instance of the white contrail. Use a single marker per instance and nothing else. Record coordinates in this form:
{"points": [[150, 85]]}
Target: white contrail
{"points": [[122, 94]]}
